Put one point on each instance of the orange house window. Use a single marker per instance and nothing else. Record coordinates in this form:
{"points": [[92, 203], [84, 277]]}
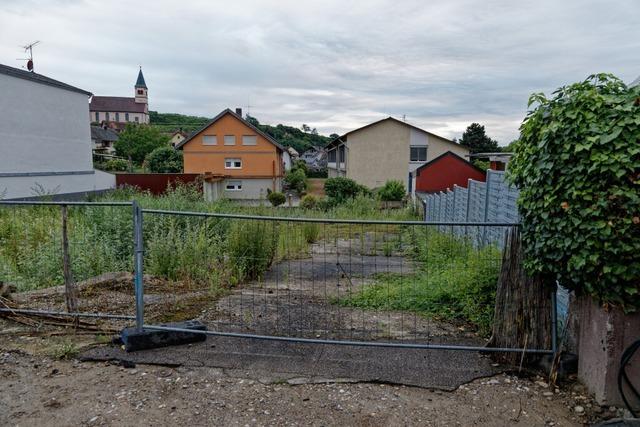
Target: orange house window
{"points": [[233, 163]]}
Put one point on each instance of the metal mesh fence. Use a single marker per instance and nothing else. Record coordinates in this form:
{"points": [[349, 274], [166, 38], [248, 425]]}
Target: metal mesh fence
{"points": [[98, 255], [394, 282]]}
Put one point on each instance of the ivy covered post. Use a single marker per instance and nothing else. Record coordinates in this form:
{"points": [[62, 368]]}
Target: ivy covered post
{"points": [[577, 165]]}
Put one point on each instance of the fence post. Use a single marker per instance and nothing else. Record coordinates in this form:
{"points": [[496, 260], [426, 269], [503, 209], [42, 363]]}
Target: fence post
{"points": [[70, 292], [486, 207], [424, 210], [138, 263], [554, 321]]}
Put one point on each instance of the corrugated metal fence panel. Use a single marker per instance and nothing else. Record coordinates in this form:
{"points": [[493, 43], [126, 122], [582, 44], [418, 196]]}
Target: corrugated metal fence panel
{"points": [[460, 208], [475, 213]]}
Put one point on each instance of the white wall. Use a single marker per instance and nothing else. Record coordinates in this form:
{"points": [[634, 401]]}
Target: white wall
{"points": [[45, 139]]}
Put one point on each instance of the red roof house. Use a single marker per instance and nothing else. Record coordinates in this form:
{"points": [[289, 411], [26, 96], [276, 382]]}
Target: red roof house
{"points": [[444, 172]]}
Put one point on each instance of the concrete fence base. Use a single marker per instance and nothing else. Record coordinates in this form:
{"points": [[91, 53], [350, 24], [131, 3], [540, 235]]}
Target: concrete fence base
{"points": [[604, 335]]}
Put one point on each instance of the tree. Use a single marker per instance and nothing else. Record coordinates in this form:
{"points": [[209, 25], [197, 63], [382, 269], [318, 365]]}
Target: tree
{"points": [[576, 165], [165, 160], [476, 139], [137, 141], [334, 136]]}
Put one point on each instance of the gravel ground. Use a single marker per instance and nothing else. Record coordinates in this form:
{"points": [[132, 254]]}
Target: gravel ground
{"points": [[36, 390]]}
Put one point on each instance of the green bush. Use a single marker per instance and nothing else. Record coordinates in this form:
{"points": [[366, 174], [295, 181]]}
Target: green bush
{"points": [[276, 198], [308, 202], [576, 165], [296, 180], [340, 189], [164, 160], [252, 247], [116, 165], [392, 191]]}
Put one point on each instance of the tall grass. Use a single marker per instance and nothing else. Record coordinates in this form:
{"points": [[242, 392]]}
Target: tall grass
{"points": [[214, 251]]}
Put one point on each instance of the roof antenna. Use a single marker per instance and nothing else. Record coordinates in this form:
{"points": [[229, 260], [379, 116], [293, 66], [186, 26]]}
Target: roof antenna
{"points": [[29, 48], [249, 106], [404, 118]]}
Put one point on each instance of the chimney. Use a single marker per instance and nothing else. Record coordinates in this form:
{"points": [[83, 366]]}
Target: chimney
{"points": [[239, 111]]}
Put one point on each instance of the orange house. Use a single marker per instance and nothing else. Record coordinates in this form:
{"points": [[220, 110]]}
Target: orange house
{"points": [[239, 161]]}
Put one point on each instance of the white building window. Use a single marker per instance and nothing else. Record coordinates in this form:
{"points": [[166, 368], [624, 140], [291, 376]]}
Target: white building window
{"points": [[137, 119], [249, 140], [209, 140], [229, 140], [126, 117], [232, 163], [418, 154], [233, 186]]}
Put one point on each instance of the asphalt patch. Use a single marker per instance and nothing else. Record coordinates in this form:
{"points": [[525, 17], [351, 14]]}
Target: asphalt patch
{"points": [[438, 369]]}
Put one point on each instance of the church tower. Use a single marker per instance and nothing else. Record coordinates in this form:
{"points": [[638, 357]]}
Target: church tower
{"points": [[141, 89]]}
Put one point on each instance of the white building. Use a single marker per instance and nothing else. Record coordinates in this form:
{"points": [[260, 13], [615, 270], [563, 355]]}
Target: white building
{"points": [[45, 141]]}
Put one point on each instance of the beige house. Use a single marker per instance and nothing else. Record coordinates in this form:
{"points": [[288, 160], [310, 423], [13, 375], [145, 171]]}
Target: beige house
{"points": [[384, 150]]}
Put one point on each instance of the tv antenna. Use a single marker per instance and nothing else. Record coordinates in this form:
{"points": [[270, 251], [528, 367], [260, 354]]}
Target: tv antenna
{"points": [[249, 106], [29, 48]]}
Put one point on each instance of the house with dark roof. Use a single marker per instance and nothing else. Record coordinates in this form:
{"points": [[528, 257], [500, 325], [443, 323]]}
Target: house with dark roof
{"points": [[45, 138], [237, 159], [389, 149], [103, 139], [117, 111]]}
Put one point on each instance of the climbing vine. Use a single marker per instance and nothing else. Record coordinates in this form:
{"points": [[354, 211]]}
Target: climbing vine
{"points": [[577, 165]]}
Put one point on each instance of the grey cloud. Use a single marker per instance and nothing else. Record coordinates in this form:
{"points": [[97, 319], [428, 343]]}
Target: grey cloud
{"points": [[334, 65]]}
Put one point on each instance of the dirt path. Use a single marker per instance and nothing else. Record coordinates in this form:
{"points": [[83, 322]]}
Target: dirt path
{"points": [[38, 391]]}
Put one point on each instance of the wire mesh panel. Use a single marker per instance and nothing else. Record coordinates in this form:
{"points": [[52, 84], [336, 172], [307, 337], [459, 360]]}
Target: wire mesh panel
{"points": [[363, 281], [88, 247]]}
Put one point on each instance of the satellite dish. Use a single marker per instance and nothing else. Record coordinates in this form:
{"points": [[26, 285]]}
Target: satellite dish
{"points": [[30, 65]]}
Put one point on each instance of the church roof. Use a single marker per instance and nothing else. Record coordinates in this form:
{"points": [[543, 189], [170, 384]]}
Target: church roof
{"points": [[140, 82], [116, 104]]}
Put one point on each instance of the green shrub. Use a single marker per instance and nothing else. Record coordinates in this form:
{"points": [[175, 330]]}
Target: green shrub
{"points": [[576, 165], [296, 180], [276, 198], [252, 247], [308, 202], [340, 189], [164, 160], [392, 191], [116, 165]]}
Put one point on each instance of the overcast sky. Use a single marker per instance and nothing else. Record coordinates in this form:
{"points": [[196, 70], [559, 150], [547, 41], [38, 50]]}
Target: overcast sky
{"points": [[334, 65]]}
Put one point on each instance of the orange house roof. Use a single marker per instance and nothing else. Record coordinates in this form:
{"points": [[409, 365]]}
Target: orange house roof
{"points": [[218, 117]]}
